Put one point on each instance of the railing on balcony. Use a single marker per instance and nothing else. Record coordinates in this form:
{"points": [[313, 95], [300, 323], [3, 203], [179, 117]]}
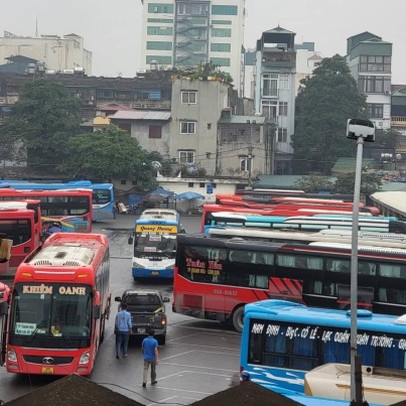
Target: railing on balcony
{"points": [[398, 121]]}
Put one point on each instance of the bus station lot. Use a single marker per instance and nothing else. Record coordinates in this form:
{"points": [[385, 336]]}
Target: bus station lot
{"points": [[200, 357]]}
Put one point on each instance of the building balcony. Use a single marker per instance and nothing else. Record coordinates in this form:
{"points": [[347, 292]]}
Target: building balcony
{"points": [[151, 105], [398, 121], [279, 59]]}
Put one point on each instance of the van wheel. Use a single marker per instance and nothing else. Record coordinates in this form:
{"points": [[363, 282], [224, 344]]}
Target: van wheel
{"points": [[161, 340], [238, 319]]}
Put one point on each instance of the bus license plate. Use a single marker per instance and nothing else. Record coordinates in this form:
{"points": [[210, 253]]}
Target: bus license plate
{"points": [[154, 273], [47, 370], [142, 330]]}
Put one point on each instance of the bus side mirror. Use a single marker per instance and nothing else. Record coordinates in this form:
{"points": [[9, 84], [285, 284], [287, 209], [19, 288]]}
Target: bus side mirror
{"points": [[130, 239], [96, 307]]}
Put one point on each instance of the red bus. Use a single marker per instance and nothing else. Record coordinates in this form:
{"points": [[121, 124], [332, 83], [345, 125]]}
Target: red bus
{"points": [[21, 226], [215, 277], [281, 211], [58, 306], [254, 202], [72, 208]]}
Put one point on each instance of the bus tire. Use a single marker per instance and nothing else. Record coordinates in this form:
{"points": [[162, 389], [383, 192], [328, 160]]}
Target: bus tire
{"points": [[102, 329], [238, 319], [161, 339]]}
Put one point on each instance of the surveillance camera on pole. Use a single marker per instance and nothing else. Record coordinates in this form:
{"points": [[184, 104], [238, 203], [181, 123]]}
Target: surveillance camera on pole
{"points": [[357, 128]]}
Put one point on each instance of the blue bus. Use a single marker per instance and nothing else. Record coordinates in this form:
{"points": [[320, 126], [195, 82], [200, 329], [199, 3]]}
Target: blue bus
{"points": [[282, 341], [102, 193], [154, 243]]}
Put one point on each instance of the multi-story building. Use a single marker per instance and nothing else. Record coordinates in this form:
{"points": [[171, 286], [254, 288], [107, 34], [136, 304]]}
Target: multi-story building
{"points": [[370, 59], [275, 89], [307, 60], [187, 33], [59, 54]]}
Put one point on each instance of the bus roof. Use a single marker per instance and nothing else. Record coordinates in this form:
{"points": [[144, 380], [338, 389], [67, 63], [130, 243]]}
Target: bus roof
{"points": [[328, 235], [160, 214], [291, 312]]}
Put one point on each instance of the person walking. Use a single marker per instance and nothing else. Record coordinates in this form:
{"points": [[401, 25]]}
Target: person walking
{"points": [[122, 330], [149, 348]]}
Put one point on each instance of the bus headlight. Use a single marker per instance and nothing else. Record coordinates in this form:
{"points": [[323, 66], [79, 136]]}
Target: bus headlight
{"points": [[11, 356], [84, 358], [137, 265], [169, 267]]}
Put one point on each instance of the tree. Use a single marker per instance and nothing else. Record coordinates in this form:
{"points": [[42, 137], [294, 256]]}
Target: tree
{"points": [[314, 183], [324, 103], [370, 183], [42, 120], [107, 155]]}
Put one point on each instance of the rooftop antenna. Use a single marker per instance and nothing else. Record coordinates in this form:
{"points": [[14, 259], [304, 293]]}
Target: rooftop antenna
{"points": [[36, 27]]}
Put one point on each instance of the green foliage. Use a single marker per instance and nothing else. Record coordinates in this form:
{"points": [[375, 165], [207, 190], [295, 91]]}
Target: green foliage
{"points": [[314, 183], [107, 155], [324, 103], [204, 71], [43, 119], [370, 183]]}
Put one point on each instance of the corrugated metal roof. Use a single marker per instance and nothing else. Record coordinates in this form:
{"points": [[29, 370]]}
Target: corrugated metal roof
{"points": [[141, 115]]}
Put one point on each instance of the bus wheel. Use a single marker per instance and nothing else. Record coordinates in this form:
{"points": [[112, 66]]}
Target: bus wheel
{"points": [[238, 319], [102, 329]]}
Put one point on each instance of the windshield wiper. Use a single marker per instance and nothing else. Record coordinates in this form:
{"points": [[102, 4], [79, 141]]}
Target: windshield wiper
{"points": [[34, 333]]}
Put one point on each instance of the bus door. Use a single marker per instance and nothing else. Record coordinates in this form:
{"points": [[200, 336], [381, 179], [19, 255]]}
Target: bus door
{"points": [[4, 293]]}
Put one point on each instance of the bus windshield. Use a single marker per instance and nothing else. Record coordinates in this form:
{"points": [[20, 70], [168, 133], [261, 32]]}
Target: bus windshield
{"points": [[149, 244], [50, 310]]}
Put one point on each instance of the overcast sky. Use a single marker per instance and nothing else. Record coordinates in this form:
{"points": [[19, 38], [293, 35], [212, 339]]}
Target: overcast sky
{"points": [[112, 29]]}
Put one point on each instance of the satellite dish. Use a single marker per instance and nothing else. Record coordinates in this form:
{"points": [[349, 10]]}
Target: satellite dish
{"points": [[156, 165]]}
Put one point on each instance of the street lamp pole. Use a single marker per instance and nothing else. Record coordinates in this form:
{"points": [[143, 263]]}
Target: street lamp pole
{"points": [[359, 130]]}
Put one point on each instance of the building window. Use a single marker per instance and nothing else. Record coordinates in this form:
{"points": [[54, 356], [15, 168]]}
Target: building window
{"points": [[375, 63], [155, 131], [209, 126], [221, 22], [220, 47], [221, 32], [221, 61], [159, 45], [283, 108], [188, 96], [123, 181], [282, 135], [269, 109], [224, 10], [284, 82], [187, 157], [375, 110], [155, 30], [202, 184], [160, 20], [374, 84], [188, 127], [245, 163], [269, 85], [160, 8], [161, 60]]}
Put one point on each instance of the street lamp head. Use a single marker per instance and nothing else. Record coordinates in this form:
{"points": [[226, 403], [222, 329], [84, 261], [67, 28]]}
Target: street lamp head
{"points": [[357, 128]]}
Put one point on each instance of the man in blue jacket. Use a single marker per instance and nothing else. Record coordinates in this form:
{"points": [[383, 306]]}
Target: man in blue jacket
{"points": [[149, 349], [122, 329]]}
